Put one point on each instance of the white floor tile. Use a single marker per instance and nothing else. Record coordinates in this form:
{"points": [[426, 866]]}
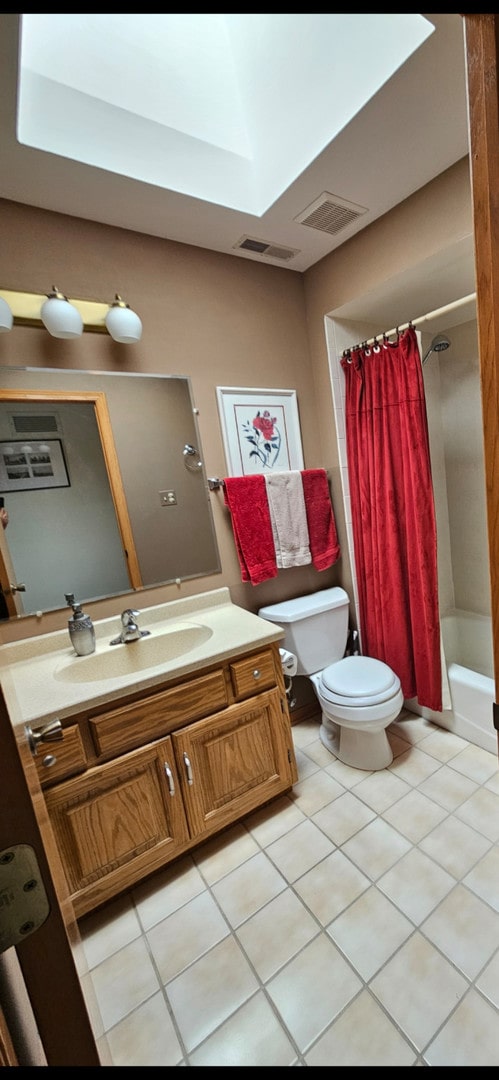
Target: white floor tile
{"points": [[147, 1037], [353, 921], [370, 931], [312, 990], [465, 929], [211, 990], [433, 883], [362, 1036], [330, 886], [246, 889], [419, 989], [253, 1037], [276, 933], [469, 1038], [185, 935], [299, 850], [376, 847]]}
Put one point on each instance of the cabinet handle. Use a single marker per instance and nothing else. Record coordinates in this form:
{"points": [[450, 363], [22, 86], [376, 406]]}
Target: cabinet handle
{"points": [[51, 732], [188, 769], [257, 673], [169, 777]]}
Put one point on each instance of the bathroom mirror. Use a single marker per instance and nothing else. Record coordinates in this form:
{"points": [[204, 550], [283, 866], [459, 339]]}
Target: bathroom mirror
{"points": [[103, 480]]}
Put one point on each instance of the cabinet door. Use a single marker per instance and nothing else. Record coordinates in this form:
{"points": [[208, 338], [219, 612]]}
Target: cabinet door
{"points": [[235, 761], [115, 822]]}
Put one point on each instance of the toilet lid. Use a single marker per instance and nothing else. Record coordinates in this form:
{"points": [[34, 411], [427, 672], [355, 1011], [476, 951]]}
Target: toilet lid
{"points": [[359, 681]]}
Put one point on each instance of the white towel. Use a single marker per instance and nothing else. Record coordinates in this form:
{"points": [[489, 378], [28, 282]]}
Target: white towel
{"points": [[289, 519]]}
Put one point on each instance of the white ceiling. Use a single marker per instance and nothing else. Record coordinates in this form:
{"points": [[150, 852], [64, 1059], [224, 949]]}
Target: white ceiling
{"points": [[292, 130]]}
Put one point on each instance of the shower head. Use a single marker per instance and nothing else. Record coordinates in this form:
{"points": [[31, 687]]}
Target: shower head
{"points": [[439, 344]]}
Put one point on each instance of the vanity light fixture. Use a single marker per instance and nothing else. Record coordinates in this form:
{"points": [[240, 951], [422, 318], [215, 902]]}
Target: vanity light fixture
{"points": [[60, 317], [68, 318], [122, 323], [6, 316]]}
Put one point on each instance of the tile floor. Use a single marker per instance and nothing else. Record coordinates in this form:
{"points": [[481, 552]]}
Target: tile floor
{"points": [[354, 921]]}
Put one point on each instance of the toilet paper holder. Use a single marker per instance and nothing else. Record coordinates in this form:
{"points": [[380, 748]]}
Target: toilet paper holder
{"points": [[289, 667]]}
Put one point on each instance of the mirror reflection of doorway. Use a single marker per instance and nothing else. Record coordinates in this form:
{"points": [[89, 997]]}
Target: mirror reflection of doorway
{"points": [[80, 511], [11, 603]]}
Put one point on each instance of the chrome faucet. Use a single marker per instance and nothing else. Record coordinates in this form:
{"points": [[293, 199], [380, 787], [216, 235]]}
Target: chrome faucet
{"points": [[130, 628]]}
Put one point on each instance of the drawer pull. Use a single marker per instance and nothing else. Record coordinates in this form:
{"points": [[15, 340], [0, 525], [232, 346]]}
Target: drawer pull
{"points": [[188, 769], [48, 760], [51, 732], [257, 674], [169, 777]]}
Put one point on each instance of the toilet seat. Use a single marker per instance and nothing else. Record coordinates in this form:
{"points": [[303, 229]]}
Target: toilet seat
{"points": [[358, 682]]}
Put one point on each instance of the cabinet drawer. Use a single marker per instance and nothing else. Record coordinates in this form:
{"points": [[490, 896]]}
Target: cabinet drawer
{"points": [[252, 675], [69, 754], [143, 721]]}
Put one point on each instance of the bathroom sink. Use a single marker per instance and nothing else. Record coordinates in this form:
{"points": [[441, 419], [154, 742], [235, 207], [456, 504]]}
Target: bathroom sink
{"points": [[115, 661]]}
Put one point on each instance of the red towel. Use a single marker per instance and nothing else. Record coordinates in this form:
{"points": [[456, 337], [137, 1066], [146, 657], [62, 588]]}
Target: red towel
{"points": [[246, 497], [324, 546]]}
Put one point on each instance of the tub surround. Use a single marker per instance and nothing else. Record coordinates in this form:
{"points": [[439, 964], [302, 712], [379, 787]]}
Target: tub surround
{"points": [[35, 673]]}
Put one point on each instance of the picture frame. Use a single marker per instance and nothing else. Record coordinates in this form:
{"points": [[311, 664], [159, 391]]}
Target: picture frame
{"points": [[31, 464], [260, 430]]}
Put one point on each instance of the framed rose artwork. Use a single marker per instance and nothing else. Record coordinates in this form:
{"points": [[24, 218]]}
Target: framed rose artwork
{"points": [[260, 430]]}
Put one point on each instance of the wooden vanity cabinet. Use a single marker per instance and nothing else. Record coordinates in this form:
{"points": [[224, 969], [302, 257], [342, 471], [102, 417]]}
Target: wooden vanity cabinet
{"points": [[156, 782]]}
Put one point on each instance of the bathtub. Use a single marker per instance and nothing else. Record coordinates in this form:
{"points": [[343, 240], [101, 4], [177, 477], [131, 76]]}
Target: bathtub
{"points": [[467, 644]]}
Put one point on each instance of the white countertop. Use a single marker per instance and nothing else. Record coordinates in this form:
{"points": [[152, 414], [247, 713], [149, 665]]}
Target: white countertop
{"points": [[41, 679]]}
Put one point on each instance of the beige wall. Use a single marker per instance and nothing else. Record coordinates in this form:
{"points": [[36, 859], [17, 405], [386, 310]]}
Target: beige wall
{"points": [[222, 320]]}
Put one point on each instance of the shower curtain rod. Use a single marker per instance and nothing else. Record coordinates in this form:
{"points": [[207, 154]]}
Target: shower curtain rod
{"points": [[422, 318]]}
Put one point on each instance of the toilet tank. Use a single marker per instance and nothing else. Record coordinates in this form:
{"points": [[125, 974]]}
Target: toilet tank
{"points": [[316, 627]]}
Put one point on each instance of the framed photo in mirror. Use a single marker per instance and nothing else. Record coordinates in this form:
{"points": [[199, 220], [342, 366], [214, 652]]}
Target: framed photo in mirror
{"points": [[27, 464], [260, 430]]}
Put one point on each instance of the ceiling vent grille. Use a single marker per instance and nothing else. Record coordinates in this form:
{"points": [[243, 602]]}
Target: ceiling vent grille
{"points": [[34, 424], [330, 214], [265, 248]]}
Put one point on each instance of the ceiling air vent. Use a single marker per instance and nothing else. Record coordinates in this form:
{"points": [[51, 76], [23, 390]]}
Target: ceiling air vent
{"points": [[268, 250], [34, 424], [330, 214]]}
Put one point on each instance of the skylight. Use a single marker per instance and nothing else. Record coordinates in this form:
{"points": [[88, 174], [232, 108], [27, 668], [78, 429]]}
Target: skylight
{"points": [[208, 105]]}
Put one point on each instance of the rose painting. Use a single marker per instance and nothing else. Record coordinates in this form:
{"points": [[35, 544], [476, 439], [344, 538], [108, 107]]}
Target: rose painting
{"points": [[260, 430], [264, 437]]}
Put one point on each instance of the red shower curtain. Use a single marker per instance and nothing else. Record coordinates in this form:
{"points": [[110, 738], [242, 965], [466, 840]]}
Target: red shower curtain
{"points": [[393, 513]]}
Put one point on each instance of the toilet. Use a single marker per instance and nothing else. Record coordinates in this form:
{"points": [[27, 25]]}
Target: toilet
{"points": [[359, 696]]}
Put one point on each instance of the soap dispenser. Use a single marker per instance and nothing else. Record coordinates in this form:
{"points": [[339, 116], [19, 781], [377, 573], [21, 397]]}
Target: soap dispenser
{"points": [[81, 628]]}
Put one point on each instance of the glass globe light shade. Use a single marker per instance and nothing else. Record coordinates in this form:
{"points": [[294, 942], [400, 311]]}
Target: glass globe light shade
{"points": [[6, 316], [61, 318], [122, 323]]}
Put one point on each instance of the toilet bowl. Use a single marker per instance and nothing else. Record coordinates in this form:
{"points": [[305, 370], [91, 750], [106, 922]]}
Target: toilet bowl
{"points": [[359, 696]]}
